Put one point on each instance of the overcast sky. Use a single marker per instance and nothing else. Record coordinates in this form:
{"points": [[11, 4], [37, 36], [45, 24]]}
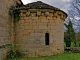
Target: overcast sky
{"points": [[62, 4]]}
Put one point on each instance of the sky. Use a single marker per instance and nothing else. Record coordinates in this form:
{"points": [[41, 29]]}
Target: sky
{"points": [[61, 4]]}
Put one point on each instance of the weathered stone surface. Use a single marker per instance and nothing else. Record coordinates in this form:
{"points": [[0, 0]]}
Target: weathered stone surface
{"points": [[28, 13], [33, 10], [30, 31], [33, 14], [38, 13], [5, 26], [46, 13], [34, 29], [23, 11]]}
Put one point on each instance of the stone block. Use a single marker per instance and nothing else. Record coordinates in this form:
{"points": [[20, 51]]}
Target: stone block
{"points": [[28, 13], [43, 20], [42, 23], [28, 27], [38, 13], [42, 14], [49, 18], [37, 34], [23, 11], [26, 34], [26, 24], [32, 10], [47, 13], [58, 22], [55, 14], [31, 39], [21, 14], [24, 15], [21, 42], [58, 16], [35, 21], [21, 22], [30, 17], [32, 34], [28, 21], [26, 18], [21, 28], [43, 27], [21, 18], [43, 10], [51, 14], [33, 14], [34, 18], [31, 31], [51, 11], [52, 21], [42, 40], [54, 18], [51, 38], [38, 31], [51, 24], [37, 39], [35, 27], [42, 17]]}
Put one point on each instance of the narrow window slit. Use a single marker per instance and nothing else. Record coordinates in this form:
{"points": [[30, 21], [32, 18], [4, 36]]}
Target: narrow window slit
{"points": [[46, 38]]}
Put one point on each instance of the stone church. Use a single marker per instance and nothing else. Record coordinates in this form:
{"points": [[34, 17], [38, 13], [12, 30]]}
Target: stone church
{"points": [[35, 29]]}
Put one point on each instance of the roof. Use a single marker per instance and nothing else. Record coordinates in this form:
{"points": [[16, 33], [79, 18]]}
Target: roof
{"points": [[37, 5], [40, 5]]}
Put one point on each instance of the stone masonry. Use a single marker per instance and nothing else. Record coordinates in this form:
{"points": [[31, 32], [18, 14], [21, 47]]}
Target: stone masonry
{"points": [[34, 23], [38, 23], [5, 26]]}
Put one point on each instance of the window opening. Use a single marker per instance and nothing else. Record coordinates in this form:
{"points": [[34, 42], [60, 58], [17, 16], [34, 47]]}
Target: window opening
{"points": [[46, 38]]}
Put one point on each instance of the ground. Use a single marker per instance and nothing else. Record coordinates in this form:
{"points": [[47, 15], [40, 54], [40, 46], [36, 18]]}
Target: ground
{"points": [[65, 56]]}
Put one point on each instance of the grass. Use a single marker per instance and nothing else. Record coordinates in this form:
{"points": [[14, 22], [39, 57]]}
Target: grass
{"points": [[73, 45], [65, 56]]}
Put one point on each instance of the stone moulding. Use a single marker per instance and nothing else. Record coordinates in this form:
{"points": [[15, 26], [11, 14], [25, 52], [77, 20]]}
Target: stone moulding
{"points": [[46, 12]]}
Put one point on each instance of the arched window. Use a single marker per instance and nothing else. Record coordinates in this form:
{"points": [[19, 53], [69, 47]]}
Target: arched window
{"points": [[46, 38]]}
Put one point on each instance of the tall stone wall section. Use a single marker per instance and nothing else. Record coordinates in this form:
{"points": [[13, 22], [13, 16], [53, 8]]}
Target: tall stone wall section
{"points": [[5, 27], [31, 29]]}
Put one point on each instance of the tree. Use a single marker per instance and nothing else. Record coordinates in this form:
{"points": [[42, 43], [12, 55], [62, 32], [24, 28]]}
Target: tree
{"points": [[74, 14], [70, 34], [78, 38]]}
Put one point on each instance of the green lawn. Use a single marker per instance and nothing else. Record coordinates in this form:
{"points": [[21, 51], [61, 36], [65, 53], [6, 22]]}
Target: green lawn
{"points": [[65, 56], [73, 45]]}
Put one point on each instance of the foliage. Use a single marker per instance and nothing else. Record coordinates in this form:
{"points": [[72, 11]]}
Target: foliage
{"points": [[69, 34], [72, 44], [74, 14], [78, 38], [13, 54], [15, 13], [17, 17]]}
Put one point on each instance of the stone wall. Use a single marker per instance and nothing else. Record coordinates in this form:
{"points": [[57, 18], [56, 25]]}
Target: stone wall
{"points": [[31, 29], [29, 32], [5, 27]]}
